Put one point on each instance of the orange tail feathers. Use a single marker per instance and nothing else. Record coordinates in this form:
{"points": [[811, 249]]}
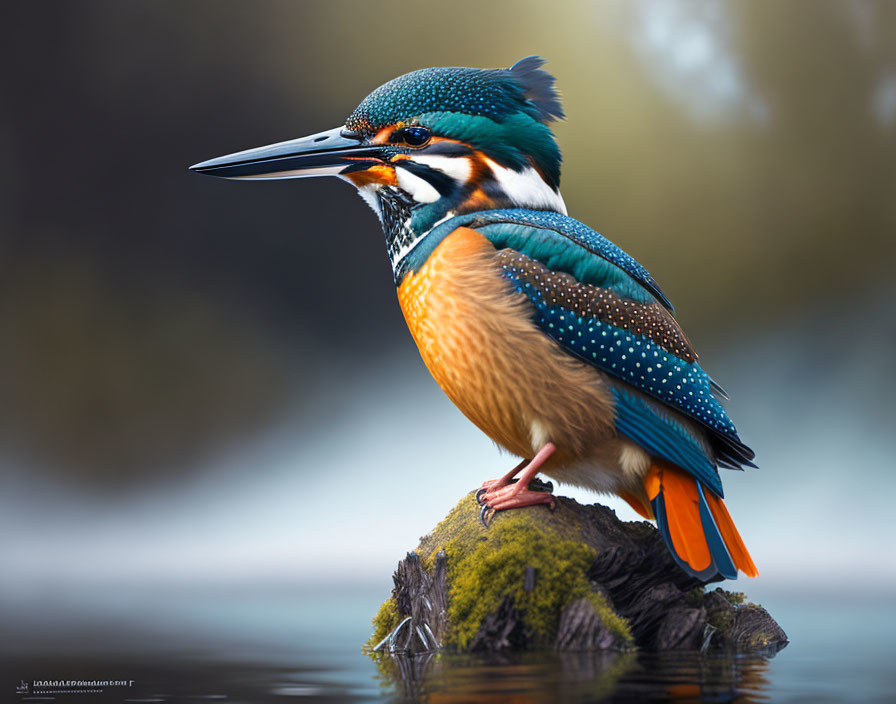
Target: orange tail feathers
{"points": [[696, 525], [733, 541], [637, 505]]}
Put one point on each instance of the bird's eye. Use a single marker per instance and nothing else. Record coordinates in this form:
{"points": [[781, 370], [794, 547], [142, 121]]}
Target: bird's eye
{"points": [[412, 136]]}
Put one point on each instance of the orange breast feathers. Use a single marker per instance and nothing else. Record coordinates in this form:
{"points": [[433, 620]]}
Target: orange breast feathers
{"points": [[476, 337]]}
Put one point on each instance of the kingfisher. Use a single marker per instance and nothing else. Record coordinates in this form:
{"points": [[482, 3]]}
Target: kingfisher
{"points": [[551, 339]]}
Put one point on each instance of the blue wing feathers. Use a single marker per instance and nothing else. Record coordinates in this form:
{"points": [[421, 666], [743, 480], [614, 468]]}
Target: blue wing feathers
{"points": [[633, 359], [561, 233], [664, 437], [558, 255], [646, 366]]}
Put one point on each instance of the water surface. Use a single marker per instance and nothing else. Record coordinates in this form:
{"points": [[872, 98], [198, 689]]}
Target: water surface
{"points": [[304, 644]]}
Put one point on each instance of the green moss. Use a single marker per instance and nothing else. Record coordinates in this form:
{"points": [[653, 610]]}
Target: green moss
{"points": [[384, 622], [463, 530], [736, 598], [486, 564], [617, 624], [496, 567], [721, 619]]}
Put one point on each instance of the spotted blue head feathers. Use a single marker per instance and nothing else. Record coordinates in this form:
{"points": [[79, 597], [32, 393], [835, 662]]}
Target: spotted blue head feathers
{"points": [[499, 114], [493, 93]]}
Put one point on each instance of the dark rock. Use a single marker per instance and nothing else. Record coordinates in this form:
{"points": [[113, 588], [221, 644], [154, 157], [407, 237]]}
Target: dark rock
{"points": [[754, 628], [423, 595], [421, 598], [680, 629], [575, 579], [503, 629], [582, 628]]}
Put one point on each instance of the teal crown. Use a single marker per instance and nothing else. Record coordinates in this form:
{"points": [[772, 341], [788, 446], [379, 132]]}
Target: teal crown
{"points": [[503, 112]]}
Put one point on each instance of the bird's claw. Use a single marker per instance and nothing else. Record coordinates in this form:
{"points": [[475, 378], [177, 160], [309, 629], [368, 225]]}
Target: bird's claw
{"points": [[485, 516], [490, 486]]}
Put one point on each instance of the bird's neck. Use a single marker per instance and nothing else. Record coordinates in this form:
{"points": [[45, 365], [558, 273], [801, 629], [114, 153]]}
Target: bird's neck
{"points": [[406, 221], [403, 222]]}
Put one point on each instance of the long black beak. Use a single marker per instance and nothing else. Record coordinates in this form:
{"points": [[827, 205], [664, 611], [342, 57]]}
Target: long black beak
{"points": [[327, 153]]}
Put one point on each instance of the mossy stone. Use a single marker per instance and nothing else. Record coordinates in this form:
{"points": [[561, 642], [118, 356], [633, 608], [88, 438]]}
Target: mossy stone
{"points": [[521, 583], [488, 564]]}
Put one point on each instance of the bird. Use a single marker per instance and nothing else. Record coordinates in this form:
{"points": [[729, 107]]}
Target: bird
{"points": [[551, 339]]}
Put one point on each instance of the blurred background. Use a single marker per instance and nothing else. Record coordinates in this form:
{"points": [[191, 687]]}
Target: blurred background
{"points": [[208, 382]]}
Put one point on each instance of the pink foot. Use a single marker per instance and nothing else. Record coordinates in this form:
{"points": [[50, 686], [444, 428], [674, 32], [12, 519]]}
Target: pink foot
{"points": [[522, 498], [501, 494], [526, 497], [492, 484]]}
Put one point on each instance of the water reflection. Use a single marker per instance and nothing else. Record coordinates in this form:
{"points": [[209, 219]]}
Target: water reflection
{"points": [[533, 678], [304, 644], [521, 678]]}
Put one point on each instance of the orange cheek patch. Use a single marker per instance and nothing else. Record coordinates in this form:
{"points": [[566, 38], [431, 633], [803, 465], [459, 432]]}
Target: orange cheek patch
{"points": [[381, 175]]}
